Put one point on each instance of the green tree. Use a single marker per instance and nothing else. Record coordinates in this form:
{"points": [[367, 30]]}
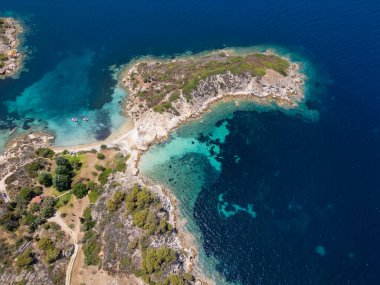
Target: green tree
{"points": [[62, 182], [91, 248], [33, 168], [25, 259], [26, 194], [63, 161], [45, 243], [86, 220], [158, 259], [140, 217], [46, 179], [45, 152], [62, 170], [100, 156], [31, 220], [115, 201], [175, 280], [51, 254], [47, 208], [103, 177], [80, 190]]}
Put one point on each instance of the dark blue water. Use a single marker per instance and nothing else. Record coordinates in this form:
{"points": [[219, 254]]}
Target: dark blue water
{"points": [[314, 187]]}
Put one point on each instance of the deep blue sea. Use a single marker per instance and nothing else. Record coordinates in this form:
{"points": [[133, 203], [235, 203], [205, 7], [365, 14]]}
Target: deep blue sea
{"points": [[271, 197]]}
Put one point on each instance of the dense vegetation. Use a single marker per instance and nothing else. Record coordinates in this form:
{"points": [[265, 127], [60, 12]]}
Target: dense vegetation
{"points": [[91, 244], [33, 204], [157, 259], [64, 174], [41, 241], [143, 207]]}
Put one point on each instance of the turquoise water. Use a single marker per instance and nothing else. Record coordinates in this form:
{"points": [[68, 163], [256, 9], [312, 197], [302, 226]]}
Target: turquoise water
{"points": [[280, 197], [62, 94], [192, 160]]}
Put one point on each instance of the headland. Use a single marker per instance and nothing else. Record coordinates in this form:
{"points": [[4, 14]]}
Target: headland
{"points": [[129, 227]]}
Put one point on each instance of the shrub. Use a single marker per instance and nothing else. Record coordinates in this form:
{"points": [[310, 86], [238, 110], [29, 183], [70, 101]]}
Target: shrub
{"points": [[103, 177], [25, 259], [80, 190], [45, 152], [51, 252], [149, 221], [63, 200], [115, 201], [76, 163], [144, 243], [119, 162], [27, 194], [47, 208], [86, 220], [139, 199], [51, 255], [103, 146], [45, 243], [33, 168], [99, 167], [132, 245], [158, 259], [45, 179], [174, 96], [126, 263], [175, 280], [139, 218], [91, 248], [95, 191], [3, 57], [100, 156], [31, 220]]}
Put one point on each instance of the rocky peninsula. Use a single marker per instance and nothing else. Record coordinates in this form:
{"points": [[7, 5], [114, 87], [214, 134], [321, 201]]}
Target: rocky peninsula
{"points": [[10, 56], [124, 228]]}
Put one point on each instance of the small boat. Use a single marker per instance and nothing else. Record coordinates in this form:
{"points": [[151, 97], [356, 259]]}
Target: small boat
{"points": [[85, 119], [74, 119]]}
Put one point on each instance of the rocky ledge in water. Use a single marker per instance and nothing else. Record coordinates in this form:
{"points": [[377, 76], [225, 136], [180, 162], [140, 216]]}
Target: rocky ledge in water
{"points": [[10, 56]]}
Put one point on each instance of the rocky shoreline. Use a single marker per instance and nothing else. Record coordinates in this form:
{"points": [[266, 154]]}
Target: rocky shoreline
{"points": [[10, 55], [152, 125]]}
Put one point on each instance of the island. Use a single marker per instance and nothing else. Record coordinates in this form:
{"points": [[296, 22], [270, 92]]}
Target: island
{"points": [[86, 215], [10, 56]]}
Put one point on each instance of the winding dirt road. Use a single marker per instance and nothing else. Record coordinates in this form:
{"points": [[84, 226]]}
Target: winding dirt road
{"points": [[57, 219]]}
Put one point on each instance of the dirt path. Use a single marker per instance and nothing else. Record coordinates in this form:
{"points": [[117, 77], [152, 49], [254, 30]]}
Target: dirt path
{"points": [[56, 219], [63, 194]]}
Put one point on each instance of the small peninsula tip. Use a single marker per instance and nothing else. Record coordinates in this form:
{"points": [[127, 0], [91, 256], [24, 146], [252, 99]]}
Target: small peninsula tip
{"points": [[10, 56], [163, 94]]}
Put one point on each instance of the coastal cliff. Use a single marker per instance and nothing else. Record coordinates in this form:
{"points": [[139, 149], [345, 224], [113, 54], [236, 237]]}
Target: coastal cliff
{"points": [[125, 229], [10, 56]]}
